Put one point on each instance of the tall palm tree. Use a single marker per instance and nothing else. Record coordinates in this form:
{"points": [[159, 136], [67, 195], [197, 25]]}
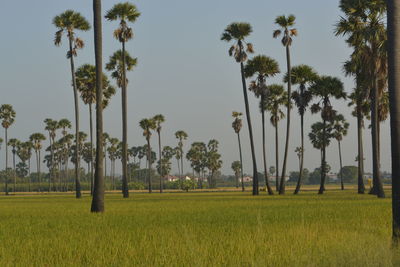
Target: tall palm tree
{"points": [[364, 25], [302, 75], [158, 119], [340, 128], [277, 97], [181, 136], [285, 23], [262, 67], [237, 32], [7, 117], [148, 125], [393, 22], [237, 126], [14, 143], [124, 13], [86, 85], [51, 127], [68, 22], [98, 190], [36, 140], [325, 88]]}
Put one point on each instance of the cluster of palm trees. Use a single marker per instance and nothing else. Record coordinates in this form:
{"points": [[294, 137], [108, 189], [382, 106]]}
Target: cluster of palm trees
{"points": [[363, 24]]}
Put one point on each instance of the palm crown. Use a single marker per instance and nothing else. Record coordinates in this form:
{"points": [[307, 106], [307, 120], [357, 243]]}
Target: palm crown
{"points": [[277, 97], [285, 23], [7, 115], [302, 75], [125, 12], [158, 119], [147, 125], [238, 31], [115, 65], [68, 22], [263, 67], [86, 85]]}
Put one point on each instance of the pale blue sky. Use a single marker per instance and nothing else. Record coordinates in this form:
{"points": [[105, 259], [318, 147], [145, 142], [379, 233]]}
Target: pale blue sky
{"points": [[183, 72]]}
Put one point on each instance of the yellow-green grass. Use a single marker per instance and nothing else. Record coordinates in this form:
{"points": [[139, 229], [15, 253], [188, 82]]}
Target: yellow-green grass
{"points": [[197, 229]]}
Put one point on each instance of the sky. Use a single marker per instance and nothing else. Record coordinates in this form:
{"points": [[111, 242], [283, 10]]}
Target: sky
{"points": [[183, 72]]}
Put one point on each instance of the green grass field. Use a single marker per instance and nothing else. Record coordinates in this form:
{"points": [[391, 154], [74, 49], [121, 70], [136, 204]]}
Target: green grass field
{"points": [[197, 229]]}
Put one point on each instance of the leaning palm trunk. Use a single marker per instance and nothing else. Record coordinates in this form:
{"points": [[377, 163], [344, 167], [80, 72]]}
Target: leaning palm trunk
{"points": [[76, 100], [341, 166], [253, 155], [361, 187], [299, 181], [377, 188], [268, 187], [241, 160], [394, 87], [125, 189], [323, 163], [149, 164], [277, 155], [282, 183], [98, 189]]}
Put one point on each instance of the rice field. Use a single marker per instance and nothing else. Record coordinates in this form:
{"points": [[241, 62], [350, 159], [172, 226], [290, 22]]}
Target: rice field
{"points": [[197, 229]]}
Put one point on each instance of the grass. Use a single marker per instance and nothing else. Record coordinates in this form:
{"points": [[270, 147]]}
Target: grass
{"points": [[197, 229]]}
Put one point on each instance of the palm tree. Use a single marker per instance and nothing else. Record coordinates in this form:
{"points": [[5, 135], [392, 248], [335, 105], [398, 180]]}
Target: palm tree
{"points": [[324, 88], [24, 153], [340, 128], [237, 169], [393, 23], [51, 127], [124, 13], [7, 115], [36, 140], [112, 153], [262, 67], [98, 190], [302, 75], [237, 126], [320, 137], [181, 135], [86, 85], [106, 138], [277, 97], [158, 119], [68, 22], [364, 24], [237, 32], [14, 143], [286, 23], [148, 125]]}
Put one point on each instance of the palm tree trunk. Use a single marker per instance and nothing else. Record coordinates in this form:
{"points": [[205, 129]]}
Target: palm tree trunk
{"points": [[91, 149], [51, 174], [253, 154], [160, 157], [393, 8], [149, 164], [6, 178], [377, 188], [268, 187], [29, 175], [98, 189], [14, 174], [125, 189], [38, 169], [76, 100], [341, 166], [289, 70], [361, 187], [277, 156], [299, 182], [241, 160], [323, 163], [181, 163]]}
